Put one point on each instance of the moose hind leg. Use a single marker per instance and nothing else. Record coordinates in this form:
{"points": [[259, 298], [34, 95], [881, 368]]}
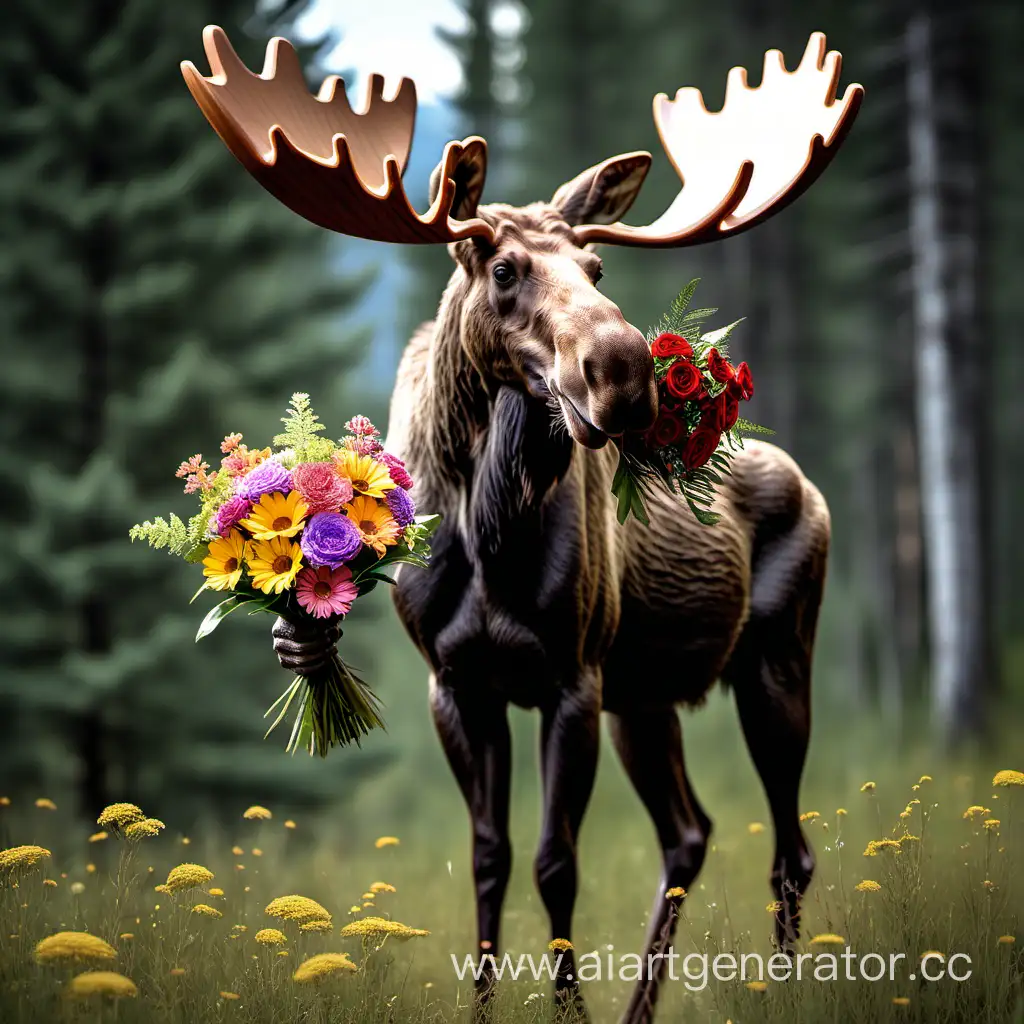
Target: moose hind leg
{"points": [[473, 727], [649, 742], [570, 736], [770, 673]]}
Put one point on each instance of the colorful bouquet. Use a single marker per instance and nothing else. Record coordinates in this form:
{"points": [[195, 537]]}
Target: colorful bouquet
{"points": [[301, 531], [698, 429]]}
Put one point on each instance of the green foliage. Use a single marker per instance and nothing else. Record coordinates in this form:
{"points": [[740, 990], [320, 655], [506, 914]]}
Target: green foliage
{"points": [[302, 430], [160, 533]]}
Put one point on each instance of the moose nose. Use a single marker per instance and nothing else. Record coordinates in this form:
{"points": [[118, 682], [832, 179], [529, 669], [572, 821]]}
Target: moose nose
{"points": [[619, 374]]}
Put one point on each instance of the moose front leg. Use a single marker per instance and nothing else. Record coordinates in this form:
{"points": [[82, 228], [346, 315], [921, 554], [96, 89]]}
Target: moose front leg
{"points": [[473, 726], [570, 733]]}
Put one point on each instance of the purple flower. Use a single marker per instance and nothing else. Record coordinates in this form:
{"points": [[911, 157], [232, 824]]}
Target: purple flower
{"points": [[231, 513], [266, 478], [330, 539], [397, 469], [403, 508]]}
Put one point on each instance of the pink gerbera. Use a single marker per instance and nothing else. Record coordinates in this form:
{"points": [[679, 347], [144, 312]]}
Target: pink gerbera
{"points": [[325, 592]]}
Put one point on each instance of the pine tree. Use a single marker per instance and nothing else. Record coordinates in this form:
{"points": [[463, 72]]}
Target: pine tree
{"points": [[153, 298]]}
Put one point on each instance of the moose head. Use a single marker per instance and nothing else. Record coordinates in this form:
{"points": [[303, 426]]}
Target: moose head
{"points": [[529, 275]]}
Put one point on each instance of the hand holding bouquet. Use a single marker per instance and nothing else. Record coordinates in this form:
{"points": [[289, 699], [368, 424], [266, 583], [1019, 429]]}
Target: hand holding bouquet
{"points": [[698, 429], [301, 532]]}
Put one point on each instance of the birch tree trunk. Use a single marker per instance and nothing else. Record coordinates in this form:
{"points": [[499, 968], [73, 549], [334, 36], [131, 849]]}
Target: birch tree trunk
{"points": [[947, 445]]}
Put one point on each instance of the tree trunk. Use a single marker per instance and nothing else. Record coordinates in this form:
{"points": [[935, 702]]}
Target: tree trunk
{"points": [[946, 447]]}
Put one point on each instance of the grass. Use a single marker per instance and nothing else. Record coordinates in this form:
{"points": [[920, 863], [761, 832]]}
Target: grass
{"points": [[956, 888]]}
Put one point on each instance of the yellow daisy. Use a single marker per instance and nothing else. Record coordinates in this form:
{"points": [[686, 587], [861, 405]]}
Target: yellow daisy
{"points": [[368, 476], [376, 526], [274, 564], [277, 515], [222, 567]]}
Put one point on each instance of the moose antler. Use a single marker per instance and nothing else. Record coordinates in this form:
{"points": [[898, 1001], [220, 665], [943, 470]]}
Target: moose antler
{"points": [[750, 159], [335, 167]]}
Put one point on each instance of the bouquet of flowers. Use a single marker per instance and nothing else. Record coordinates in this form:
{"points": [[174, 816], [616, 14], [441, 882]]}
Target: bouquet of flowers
{"points": [[698, 429], [301, 531]]}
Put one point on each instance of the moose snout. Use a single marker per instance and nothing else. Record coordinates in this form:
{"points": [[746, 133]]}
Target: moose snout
{"points": [[619, 374]]}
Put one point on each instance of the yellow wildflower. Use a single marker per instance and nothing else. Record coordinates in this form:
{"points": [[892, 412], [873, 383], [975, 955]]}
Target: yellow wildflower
{"points": [[376, 887], [386, 841], [144, 829], [976, 811], [296, 908], [188, 876], [161, 888], [933, 953], [282, 952], [237, 851], [289, 823], [126, 935], [215, 891], [18, 857], [774, 907], [989, 884], [828, 939], [675, 892], [45, 804], [225, 558], [276, 515], [177, 972], [5, 801], [908, 838], [102, 983], [116, 816], [1006, 940], [230, 996], [924, 778], [206, 910], [369, 903], [868, 787], [367, 896], [559, 945], [368, 476], [757, 986], [1008, 778], [90, 868], [50, 882], [257, 813], [73, 946], [77, 888], [240, 927], [868, 886], [900, 1001], [881, 844], [840, 811], [318, 924], [323, 966], [270, 937], [355, 909], [373, 927], [992, 824], [97, 837], [755, 828], [809, 816], [257, 852]]}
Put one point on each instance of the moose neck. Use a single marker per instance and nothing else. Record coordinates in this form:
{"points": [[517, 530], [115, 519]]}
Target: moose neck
{"points": [[491, 449]]}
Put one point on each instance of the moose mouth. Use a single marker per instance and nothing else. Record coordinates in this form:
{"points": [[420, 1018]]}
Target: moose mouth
{"points": [[582, 430]]}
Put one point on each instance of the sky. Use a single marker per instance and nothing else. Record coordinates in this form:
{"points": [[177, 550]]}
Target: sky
{"points": [[393, 38]]}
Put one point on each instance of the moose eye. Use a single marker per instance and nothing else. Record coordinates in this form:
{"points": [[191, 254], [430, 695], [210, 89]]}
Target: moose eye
{"points": [[503, 274]]}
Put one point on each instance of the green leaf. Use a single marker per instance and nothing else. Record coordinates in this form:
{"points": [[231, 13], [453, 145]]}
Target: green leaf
{"points": [[749, 427], [703, 516], [219, 612]]}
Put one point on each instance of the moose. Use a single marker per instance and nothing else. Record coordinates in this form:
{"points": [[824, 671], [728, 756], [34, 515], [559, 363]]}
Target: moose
{"points": [[503, 410]]}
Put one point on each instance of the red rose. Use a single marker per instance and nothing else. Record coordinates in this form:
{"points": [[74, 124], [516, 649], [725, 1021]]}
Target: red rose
{"points": [[731, 409], [700, 447], [742, 385], [719, 367], [684, 380], [665, 345], [667, 429], [712, 414]]}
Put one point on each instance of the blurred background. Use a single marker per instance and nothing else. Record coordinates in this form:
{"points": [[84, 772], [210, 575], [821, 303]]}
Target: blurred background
{"points": [[154, 298]]}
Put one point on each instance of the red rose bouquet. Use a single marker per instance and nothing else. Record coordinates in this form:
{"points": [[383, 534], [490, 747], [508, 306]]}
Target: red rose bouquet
{"points": [[698, 429]]}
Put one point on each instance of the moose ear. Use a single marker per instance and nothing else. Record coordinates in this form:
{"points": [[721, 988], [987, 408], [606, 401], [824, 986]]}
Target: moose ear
{"points": [[603, 193], [469, 175]]}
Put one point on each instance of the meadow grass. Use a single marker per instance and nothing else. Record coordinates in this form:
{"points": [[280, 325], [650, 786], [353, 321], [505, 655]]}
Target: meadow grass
{"points": [[953, 888]]}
